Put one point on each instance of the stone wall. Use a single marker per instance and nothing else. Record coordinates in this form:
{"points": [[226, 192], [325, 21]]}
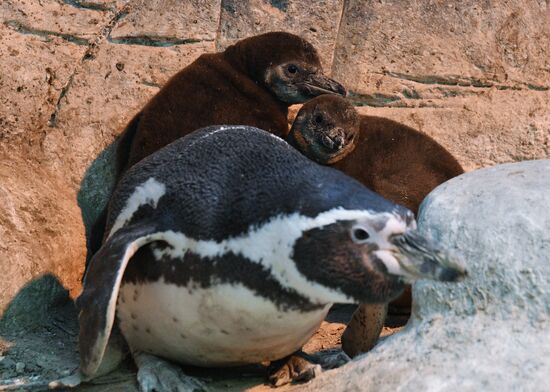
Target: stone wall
{"points": [[473, 74]]}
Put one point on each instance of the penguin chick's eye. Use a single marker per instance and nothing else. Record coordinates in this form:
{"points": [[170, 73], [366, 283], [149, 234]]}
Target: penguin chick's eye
{"points": [[359, 235], [318, 119], [292, 69]]}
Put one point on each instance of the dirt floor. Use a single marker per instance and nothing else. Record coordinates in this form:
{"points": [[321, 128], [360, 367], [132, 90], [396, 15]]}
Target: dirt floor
{"points": [[37, 347]]}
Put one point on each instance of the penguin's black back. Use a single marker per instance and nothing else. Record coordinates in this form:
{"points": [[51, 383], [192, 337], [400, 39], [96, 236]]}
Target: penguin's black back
{"points": [[222, 180]]}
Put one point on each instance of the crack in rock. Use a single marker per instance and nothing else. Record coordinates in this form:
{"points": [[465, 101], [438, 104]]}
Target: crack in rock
{"points": [[89, 54], [337, 37], [88, 6], [451, 80], [150, 84], [537, 88], [156, 41], [375, 100], [23, 29], [460, 81], [379, 100], [217, 42], [281, 5], [52, 122]]}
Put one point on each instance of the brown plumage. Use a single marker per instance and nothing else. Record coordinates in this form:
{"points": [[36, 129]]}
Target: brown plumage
{"points": [[398, 162], [394, 160], [251, 83]]}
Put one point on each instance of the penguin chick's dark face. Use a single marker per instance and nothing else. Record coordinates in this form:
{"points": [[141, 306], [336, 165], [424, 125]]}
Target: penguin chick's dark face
{"points": [[366, 258], [284, 63], [326, 129], [297, 81]]}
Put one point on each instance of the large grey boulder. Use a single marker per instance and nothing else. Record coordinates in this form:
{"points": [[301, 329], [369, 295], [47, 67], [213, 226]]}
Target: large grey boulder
{"points": [[492, 331]]}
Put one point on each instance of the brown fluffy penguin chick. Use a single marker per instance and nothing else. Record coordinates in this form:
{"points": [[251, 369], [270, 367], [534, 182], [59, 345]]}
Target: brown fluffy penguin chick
{"points": [[392, 159], [251, 83]]}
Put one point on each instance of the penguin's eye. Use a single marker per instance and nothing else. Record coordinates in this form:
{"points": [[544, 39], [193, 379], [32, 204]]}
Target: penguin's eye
{"points": [[292, 69], [359, 235], [318, 119]]}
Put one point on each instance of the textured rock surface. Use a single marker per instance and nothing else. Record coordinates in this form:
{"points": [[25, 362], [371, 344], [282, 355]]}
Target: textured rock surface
{"points": [[473, 75], [489, 332], [73, 76], [317, 21], [168, 23], [36, 236]]}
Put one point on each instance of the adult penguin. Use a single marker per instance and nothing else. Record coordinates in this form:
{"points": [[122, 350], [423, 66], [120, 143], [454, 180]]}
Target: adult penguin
{"points": [[250, 83], [236, 260]]}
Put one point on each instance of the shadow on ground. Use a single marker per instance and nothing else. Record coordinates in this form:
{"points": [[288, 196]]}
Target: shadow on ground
{"points": [[96, 187], [38, 335]]}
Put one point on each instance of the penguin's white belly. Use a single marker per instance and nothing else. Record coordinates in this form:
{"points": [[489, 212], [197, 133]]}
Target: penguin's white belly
{"points": [[223, 325]]}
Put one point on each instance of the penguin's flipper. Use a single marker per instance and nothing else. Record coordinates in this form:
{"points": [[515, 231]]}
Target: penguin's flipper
{"points": [[97, 303]]}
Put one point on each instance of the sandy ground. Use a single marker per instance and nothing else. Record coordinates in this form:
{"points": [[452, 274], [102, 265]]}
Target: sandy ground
{"points": [[36, 350]]}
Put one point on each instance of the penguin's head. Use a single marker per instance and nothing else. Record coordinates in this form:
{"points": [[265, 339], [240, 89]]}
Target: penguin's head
{"points": [[369, 257], [325, 129], [296, 81], [285, 64]]}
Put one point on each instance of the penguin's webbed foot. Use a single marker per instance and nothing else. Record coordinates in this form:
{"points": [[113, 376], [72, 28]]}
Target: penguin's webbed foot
{"points": [[294, 368], [158, 375]]}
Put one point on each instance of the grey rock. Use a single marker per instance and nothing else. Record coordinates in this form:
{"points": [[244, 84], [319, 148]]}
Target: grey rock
{"points": [[498, 220], [489, 332]]}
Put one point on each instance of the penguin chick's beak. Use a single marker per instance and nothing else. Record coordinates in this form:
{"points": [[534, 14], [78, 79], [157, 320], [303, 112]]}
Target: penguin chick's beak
{"points": [[334, 140], [317, 84], [415, 257]]}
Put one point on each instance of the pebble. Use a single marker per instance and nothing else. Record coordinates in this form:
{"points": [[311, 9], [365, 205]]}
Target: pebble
{"points": [[19, 367]]}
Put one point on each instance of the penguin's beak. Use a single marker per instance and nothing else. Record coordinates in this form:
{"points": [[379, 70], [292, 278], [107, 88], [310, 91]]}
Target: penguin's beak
{"points": [[317, 84], [415, 257]]}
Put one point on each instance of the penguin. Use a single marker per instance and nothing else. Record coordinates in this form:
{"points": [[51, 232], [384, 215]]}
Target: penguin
{"points": [[227, 247], [392, 159], [250, 83]]}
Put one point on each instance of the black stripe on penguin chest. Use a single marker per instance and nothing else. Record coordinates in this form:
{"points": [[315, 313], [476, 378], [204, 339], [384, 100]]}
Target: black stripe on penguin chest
{"points": [[204, 272]]}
